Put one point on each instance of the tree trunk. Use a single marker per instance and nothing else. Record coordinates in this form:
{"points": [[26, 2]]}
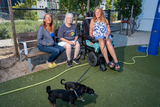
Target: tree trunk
{"points": [[131, 20], [121, 25], [13, 28], [83, 11], [133, 26], [76, 19], [28, 10], [56, 12], [127, 30], [88, 3]]}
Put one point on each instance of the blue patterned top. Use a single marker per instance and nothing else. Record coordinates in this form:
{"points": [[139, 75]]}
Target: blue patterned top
{"points": [[99, 29]]}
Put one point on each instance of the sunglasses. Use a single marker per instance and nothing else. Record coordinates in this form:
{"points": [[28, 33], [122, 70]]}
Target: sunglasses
{"points": [[47, 17]]}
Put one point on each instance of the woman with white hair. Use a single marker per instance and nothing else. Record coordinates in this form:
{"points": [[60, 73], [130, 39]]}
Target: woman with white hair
{"points": [[68, 37]]}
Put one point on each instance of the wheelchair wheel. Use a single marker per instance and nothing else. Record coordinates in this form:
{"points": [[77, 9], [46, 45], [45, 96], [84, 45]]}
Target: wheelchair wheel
{"points": [[92, 59]]}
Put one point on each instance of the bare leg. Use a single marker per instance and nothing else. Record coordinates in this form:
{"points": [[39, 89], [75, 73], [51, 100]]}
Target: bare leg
{"points": [[104, 51], [112, 51], [48, 62], [76, 51], [67, 46]]}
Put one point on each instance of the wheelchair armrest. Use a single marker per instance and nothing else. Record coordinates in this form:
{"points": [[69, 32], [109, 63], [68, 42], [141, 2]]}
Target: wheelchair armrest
{"points": [[92, 39], [111, 35]]}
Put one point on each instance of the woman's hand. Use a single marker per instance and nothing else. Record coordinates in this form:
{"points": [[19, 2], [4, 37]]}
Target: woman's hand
{"points": [[106, 37], [49, 44], [71, 43], [74, 43], [91, 43]]}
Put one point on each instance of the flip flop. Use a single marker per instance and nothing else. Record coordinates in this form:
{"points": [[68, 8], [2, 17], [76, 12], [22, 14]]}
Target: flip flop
{"points": [[49, 66], [54, 64]]}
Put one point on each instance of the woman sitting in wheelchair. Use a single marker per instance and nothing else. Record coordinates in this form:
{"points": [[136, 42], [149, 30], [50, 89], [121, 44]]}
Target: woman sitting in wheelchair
{"points": [[100, 30]]}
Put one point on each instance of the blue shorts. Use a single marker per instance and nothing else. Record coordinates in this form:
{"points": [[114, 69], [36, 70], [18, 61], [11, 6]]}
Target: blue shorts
{"points": [[102, 37]]}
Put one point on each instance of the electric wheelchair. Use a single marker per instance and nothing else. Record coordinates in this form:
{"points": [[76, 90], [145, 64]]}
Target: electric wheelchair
{"points": [[94, 54]]}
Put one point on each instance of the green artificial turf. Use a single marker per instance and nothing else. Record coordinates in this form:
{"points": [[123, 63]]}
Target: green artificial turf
{"points": [[135, 85]]}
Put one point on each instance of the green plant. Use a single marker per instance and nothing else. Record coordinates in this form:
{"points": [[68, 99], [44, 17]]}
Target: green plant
{"points": [[31, 15], [124, 7], [78, 6], [4, 33], [108, 4], [25, 14], [21, 27], [114, 16], [19, 14]]}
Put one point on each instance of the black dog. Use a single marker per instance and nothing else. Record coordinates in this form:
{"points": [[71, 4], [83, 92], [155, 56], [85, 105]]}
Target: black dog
{"points": [[70, 85], [66, 95], [74, 85]]}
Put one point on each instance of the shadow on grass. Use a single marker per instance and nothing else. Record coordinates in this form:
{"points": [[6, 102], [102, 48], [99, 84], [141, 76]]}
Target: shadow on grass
{"points": [[89, 99], [89, 76]]}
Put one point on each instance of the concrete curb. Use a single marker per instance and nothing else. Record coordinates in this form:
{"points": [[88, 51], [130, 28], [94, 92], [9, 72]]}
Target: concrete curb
{"points": [[6, 42]]}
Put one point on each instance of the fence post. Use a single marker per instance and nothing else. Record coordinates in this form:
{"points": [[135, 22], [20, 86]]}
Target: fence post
{"points": [[62, 16], [109, 14]]}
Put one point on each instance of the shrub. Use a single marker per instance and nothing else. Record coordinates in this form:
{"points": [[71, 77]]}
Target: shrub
{"points": [[4, 34], [21, 27], [31, 15]]}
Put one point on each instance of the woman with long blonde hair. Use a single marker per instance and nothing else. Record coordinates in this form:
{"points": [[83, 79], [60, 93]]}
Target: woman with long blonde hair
{"points": [[100, 30], [46, 40]]}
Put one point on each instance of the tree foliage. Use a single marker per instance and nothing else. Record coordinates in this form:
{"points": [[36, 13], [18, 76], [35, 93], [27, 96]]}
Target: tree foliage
{"points": [[79, 6], [108, 4], [30, 3], [124, 7], [23, 14]]}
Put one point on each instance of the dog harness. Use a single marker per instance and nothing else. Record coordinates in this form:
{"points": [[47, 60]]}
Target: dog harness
{"points": [[76, 94]]}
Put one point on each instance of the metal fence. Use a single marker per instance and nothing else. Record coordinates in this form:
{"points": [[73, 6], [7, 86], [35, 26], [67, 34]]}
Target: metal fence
{"points": [[58, 15], [112, 15]]}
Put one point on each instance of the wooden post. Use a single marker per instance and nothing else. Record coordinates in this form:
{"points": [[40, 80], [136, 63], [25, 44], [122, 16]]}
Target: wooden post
{"points": [[121, 25], [62, 16], [131, 20], [13, 27], [88, 2]]}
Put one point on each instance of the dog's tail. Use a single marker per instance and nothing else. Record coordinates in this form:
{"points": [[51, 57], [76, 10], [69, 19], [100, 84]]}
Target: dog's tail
{"points": [[48, 89], [62, 80]]}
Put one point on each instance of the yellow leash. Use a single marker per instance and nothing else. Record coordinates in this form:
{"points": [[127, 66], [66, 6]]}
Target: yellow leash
{"points": [[42, 81]]}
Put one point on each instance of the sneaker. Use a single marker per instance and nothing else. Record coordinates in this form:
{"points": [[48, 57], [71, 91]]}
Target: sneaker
{"points": [[76, 61], [69, 63]]}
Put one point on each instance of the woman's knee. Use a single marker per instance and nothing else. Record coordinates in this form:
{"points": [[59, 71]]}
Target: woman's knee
{"points": [[67, 46], [77, 45], [101, 42], [108, 42], [57, 51]]}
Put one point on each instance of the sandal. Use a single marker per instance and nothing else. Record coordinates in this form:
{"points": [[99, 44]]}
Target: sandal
{"points": [[54, 64], [49, 65], [110, 63], [116, 65]]}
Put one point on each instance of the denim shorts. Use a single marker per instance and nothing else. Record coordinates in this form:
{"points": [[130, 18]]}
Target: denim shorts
{"points": [[102, 37]]}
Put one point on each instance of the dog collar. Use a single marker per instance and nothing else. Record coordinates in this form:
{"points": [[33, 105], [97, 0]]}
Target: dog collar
{"points": [[76, 94]]}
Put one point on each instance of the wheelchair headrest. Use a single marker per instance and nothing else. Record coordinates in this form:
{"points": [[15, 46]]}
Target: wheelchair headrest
{"points": [[89, 14]]}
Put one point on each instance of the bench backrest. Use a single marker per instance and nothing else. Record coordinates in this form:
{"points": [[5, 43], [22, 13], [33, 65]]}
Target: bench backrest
{"points": [[29, 37]]}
